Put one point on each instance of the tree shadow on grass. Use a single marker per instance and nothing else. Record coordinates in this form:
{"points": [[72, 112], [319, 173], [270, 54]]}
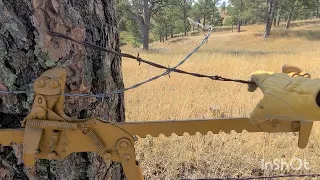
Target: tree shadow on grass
{"points": [[178, 40], [312, 35], [245, 52]]}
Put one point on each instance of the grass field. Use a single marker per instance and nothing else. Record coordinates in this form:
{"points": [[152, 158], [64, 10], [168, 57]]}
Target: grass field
{"points": [[232, 55]]}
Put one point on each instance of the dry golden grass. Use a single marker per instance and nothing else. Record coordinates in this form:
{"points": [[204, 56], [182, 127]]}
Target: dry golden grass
{"points": [[230, 55]]}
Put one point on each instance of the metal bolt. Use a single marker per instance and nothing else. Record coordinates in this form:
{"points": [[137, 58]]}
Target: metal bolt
{"points": [[123, 145], [40, 113], [40, 100], [107, 156], [52, 155], [127, 157], [40, 83], [54, 84], [296, 124]]}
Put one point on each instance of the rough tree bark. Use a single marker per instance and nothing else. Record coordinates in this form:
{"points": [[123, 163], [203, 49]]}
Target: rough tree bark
{"points": [[26, 51], [270, 16]]}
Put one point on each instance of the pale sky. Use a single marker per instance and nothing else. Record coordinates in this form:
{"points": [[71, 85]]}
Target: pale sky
{"points": [[224, 1]]}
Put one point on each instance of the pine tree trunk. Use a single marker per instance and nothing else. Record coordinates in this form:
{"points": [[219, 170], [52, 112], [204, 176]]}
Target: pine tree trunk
{"points": [[185, 19], [146, 25], [171, 32], [166, 32], [145, 37], [289, 19], [26, 51], [160, 36], [270, 16], [212, 19]]}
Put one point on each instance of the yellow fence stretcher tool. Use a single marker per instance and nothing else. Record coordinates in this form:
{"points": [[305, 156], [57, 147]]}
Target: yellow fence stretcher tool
{"points": [[289, 105]]}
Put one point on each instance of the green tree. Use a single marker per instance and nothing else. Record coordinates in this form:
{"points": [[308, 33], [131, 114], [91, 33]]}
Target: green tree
{"points": [[316, 8], [292, 8], [205, 10], [185, 6], [141, 12], [238, 11], [247, 11]]}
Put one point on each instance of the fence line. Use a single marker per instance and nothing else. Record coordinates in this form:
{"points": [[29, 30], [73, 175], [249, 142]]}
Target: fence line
{"points": [[140, 60]]}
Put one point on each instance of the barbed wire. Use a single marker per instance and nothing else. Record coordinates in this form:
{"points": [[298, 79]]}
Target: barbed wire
{"points": [[265, 177], [140, 60]]}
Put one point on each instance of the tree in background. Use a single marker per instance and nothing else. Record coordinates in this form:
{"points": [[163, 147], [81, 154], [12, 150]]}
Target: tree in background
{"points": [[164, 17], [316, 8], [292, 7], [206, 10], [165, 20], [185, 6], [224, 7], [141, 12], [272, 9], [239, 11]]}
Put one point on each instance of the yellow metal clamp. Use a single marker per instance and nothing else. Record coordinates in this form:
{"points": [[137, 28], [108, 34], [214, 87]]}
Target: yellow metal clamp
{"points": [[50, 134]]}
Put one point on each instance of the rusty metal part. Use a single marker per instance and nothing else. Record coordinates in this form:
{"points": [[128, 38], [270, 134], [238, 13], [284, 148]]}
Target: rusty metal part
{"points": [[50, 134]]}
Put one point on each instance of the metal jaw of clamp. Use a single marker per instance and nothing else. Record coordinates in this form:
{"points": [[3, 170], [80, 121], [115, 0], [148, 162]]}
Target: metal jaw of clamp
{"points": [[50, 134]]}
